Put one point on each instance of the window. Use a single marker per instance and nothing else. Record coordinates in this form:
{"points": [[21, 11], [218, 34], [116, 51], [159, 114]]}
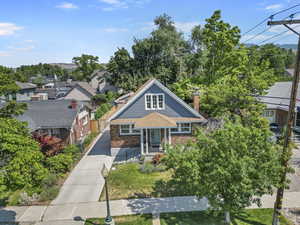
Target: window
{"points": [[268, 113], [154, 101], [128, 129], [182, 128]]}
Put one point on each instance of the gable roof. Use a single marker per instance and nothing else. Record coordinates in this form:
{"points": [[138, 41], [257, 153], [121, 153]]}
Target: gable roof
{"points": [[145, 87], [88, 88], [49, 114], [24, 86]]}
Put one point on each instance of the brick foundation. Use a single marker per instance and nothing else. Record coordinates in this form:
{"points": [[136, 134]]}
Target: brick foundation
{"points": [[123, 141]]}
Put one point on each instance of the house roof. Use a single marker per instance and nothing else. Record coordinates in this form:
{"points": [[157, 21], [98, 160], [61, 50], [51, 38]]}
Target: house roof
{"points": [[24, 86], [88, 88], [278, 96], [144, 88], [49, 114]]}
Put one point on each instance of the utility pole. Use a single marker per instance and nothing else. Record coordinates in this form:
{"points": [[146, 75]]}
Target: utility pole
{"points": [[291, 116]]}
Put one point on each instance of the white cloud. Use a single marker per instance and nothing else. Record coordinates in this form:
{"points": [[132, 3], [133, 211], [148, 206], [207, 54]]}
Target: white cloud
{"points": [[67, 5], [122, 4], [114, 30], [22, 49], [185, 26], [274, 7], [8, 29], [4, 53]]}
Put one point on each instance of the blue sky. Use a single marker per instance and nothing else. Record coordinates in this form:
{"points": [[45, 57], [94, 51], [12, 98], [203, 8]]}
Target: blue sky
{"points": [[33, 31]]}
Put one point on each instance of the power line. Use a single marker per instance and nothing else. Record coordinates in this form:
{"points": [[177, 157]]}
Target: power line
{"points": [[276, 35], [269, 17]]}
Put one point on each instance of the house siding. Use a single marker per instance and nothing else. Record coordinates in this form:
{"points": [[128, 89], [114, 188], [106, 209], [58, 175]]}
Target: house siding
{"points": [[123, 141], [172, 107], [281, 117]]}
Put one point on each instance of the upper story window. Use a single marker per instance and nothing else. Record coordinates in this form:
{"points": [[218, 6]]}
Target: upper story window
{"points": [[154, 101]]}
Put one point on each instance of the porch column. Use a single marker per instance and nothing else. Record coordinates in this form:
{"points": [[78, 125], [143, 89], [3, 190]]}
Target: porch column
{"points": [[142, 141], [169, 136], [147, 141], [165, 135]]}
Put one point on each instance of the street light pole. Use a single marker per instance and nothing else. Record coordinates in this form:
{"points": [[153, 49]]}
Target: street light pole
{"points": [[108, 219]]}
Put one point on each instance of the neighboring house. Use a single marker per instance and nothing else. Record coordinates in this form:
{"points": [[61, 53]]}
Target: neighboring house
{"points": [[82, 91], [153, 117], [289, 72], [25, 92], [99, 82], [65, 119], [277, 102]]}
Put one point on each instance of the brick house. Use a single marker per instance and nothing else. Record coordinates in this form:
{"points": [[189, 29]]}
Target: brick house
{"points": [[68, 120], [151, 118]]}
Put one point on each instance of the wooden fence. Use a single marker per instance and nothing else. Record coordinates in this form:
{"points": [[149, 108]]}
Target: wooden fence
{"points": [[99, 125]]}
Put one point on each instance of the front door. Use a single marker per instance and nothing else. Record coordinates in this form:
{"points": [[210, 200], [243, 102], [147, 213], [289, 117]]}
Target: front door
{"points": [[155, 137]]}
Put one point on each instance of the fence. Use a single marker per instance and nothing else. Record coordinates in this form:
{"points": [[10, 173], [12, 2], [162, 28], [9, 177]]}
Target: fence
{"points": [[127, 156], [97, 126]]}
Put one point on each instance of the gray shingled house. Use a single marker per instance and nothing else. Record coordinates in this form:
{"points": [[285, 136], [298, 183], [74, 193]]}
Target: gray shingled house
{"points": [[65, 119], [153, 117], [81, 91], [277, 101], [26, 91]]}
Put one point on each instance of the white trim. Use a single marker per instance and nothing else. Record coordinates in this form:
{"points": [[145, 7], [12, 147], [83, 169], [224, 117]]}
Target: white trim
{"points": [[131, 128], [157, 101], [180, 131], [154, 81]]}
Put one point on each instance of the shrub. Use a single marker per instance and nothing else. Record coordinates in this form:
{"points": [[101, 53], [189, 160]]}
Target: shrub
{"points": [[157, 159], [104, 108], [147, 167], [73, 150], [88, 140], [49, 193], [26, 199], [49, 181], [60, 164]]}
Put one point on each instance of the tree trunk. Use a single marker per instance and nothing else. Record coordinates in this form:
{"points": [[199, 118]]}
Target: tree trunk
{"points": [[227, 217]]}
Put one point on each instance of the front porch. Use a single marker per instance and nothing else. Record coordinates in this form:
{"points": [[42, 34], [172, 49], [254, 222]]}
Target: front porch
{"points": [[154, 140]]}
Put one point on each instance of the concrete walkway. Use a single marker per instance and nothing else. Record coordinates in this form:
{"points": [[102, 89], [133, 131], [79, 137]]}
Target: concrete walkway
{"points": [[56, 214], [85, 182]]}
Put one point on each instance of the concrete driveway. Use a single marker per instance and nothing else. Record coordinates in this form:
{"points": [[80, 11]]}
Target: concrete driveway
{"points": [[85, 182]]}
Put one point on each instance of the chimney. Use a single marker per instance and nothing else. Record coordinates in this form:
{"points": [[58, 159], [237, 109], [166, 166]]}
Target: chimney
{"points": [[196, 99], [73, 104]]}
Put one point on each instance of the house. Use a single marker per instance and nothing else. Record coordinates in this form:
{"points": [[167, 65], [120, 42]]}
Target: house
{"points": [[100, 83], [81, 91], [65, 119], [153, 117], [26, 91], [277, 101]]}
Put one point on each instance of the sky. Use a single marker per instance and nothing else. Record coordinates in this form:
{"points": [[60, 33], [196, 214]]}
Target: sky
{"points": [[49, 31]]}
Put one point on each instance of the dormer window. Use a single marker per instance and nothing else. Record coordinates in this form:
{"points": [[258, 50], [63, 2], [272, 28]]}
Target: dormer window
{"points": [[154, 101]]}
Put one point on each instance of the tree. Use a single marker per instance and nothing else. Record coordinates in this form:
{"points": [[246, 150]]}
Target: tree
{"points": [[86, 66], [162, 55], [232, 166]]}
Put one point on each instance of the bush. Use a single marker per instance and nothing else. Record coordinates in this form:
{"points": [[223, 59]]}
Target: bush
{"points": [[60, 164], [26, 199], [104, 108], [49, 193], [49, 181], [147, 167], [157, 159], [73, 150], [88, 140]]}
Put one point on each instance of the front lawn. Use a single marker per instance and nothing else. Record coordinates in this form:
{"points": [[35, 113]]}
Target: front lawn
{"points": [[249, 217], [124, 220], [127, 181]]}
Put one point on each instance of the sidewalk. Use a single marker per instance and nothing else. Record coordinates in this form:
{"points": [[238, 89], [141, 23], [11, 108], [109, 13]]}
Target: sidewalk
{"points": [[85, 183], [81, 211]]}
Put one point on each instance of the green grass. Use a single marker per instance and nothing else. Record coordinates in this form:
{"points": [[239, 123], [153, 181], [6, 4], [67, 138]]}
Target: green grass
{"points": [[124, 220], [128, 182], [248, 217]]}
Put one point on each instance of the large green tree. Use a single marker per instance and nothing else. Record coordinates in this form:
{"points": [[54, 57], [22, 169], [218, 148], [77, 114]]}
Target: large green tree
{"points": [[86, 66], [232, 166], [163, 55]]}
